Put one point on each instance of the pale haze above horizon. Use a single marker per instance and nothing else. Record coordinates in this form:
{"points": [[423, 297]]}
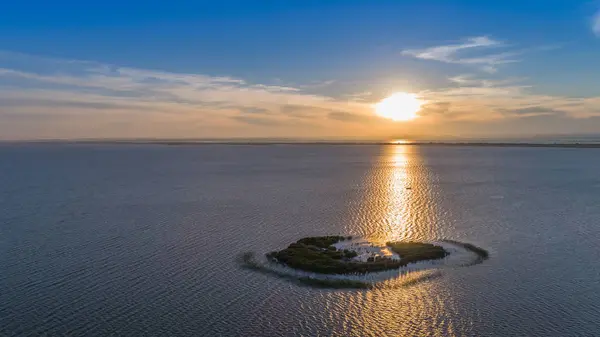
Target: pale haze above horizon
{"points": [[299, 69]]}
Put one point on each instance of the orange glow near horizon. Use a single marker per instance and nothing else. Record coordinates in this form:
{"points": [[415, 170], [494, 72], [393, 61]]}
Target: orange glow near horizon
{"points": [[400, 141], [400, 106]]}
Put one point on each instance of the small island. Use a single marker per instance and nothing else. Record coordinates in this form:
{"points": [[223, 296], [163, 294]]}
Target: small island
{"points": [[352, 255]]}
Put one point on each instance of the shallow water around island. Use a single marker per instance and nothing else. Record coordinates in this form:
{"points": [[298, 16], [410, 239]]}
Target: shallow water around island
{"points": [[142, 239]]}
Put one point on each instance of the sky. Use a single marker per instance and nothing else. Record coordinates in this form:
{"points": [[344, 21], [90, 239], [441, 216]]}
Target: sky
{"points": [[297, 69]]}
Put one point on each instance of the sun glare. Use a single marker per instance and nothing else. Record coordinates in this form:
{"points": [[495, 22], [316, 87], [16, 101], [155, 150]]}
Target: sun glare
{"points": [[400, 106]]}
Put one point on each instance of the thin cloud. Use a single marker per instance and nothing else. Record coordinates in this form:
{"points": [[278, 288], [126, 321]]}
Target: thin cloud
{"points": [[456, 53], [596, 24], [302, 111], [94, 95], [318, 84], [261, 121], [447, 53], [474, 81], [63, 98], [107, 82], [360, 96], [536, 111], [254, 110], [36, 103], [485, 100], [348, 116]]}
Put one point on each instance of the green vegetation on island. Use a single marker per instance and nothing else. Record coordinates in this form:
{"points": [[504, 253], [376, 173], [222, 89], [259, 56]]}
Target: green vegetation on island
{"points": [[317, 254], [417, 251], [481, 253]]}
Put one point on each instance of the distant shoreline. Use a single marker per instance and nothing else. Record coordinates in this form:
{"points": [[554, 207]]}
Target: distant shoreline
{"points": [[329, 143]]}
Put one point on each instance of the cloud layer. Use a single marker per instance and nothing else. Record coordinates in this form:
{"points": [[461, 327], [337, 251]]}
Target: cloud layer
{"points": [[473, 99], [58, 93], [52, 98], [487, 57], [596, 24]]}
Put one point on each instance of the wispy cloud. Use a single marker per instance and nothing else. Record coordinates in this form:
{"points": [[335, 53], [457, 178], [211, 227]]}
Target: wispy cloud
{"points": [[257, 120], [596, 24], [447, 53], [463, 53], [347, 116], [474, 81], [254, 110], [44, 97], [318, 84], [360, 96], [473, 99], [95, 95]]}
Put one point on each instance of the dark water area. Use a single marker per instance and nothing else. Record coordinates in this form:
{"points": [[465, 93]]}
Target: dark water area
{"points": [[136, 240]]}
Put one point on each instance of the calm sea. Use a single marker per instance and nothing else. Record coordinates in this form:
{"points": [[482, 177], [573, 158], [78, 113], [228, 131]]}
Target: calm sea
{"points": [[141, 240]]}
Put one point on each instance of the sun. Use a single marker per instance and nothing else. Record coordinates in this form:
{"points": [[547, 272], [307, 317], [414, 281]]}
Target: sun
{"points": [[400, 106]]}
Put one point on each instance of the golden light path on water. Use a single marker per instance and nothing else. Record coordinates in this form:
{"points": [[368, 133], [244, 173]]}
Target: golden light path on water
{"points": [[399, 185], [397, 199], [400, 205]]}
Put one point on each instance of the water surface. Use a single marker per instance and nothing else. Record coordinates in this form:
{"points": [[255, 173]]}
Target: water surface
{"points": [[142, 239]]}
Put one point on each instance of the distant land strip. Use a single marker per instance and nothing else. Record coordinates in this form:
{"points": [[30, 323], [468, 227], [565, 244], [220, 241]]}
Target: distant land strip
{"points": [[267, 143]]}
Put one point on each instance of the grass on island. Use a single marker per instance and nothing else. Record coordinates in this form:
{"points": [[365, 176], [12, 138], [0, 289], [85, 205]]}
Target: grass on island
{"points": [[411, 252], [481, 253], [317, 254]]}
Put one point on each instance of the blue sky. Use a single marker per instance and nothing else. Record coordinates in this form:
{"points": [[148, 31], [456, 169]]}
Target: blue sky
{"points": [[297, 68]]}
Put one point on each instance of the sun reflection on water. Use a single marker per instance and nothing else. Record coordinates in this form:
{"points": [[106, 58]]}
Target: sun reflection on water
{"points": [[398, 206], [400, 203], [401, 206]]}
